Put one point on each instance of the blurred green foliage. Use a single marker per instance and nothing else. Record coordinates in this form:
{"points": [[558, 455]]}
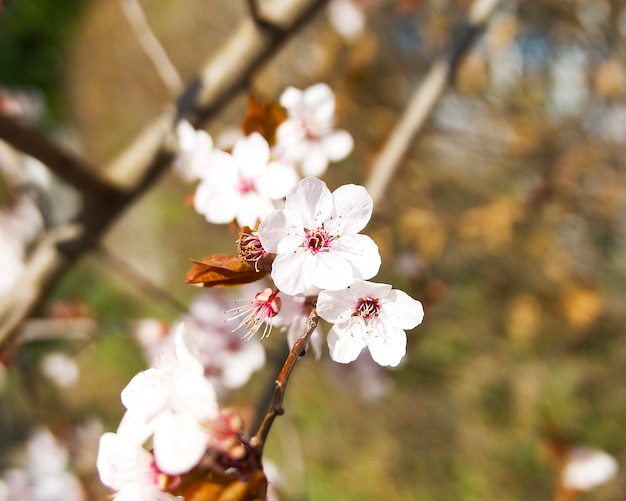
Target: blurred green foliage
{"points": [[34, 37]]}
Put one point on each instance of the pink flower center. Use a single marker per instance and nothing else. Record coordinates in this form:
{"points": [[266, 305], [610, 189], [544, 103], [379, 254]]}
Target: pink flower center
{"points": [[246, 186], [317, 240], [265, 306], [162, 480], [368, 308]]}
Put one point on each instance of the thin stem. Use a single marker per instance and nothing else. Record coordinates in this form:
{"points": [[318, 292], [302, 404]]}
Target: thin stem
{"points": [[276, 407], [151, 46]]}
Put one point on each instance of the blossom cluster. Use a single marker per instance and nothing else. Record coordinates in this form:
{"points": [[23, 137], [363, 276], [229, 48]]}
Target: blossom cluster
{"points": [[309, 241], [313, 235], [174, 405]]}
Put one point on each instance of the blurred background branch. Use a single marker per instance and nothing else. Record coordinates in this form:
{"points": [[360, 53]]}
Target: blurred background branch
{"points": [[424, 100], [219, 81]]}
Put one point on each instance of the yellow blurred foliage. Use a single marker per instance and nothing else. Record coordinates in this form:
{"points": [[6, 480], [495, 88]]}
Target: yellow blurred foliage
{"points": [[523, 318], [581, 306], [424, 230], [609, 78], [472, 76], [492, 223]]}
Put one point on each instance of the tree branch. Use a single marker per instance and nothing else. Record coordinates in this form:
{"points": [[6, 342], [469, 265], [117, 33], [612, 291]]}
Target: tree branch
{"points": [[67, 165], [424, 100], [276, 407], [136, 169], [151, 46]]}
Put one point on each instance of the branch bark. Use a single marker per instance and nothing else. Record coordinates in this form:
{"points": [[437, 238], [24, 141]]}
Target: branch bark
{"points": [[136, 169], [424, 100], [276, 406]]}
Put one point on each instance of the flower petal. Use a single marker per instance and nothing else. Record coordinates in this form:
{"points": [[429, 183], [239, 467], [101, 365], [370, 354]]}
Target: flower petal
{"points": [[319, 101], [292, 273], [281, 228], [290, 97], [342, 345], [277, 181], [178, 443], [387, 348], [338, 145], [353, 208], [314, 160], [402, 310], [252, 154], [312, 201], [362, 254], [335, 306], [332, 271]]}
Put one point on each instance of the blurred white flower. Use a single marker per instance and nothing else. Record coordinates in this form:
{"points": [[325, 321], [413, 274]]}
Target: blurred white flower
{"points": [[228, 360], [307, 137], [60, 369], [586, 468], [175, 404], [369, 315], [44, 476], [194, 149], [129, 469], [570, 86], [243, 185], [347, 18]]}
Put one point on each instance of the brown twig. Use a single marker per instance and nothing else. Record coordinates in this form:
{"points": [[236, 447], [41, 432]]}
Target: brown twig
{"points": [[276, 407]]}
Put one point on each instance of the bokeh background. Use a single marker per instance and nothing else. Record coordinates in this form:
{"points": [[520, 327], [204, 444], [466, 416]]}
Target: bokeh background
{"points": [[507, 219]]}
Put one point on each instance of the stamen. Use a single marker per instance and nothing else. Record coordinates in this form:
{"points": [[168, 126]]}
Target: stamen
{"points": [[263, 308]]}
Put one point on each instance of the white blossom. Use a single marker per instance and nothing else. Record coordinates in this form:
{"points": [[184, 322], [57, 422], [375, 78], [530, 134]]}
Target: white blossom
{"points": [[369, 315], [126, 467], [587, 468], [347, 18], [307, 137], [194, 149], [175, 404], [316, 238], [228, 360], [61, 369], [242, 186]]}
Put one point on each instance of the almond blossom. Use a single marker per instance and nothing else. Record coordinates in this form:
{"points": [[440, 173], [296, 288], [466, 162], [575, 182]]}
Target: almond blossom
{"points": [[347, 18], [45, 475], [307, 137], [126, 467], [241, 186], [175, 404], [194, 148], [587, 468], [316, 238], [228, 360], [369, 315], [259, 312]]}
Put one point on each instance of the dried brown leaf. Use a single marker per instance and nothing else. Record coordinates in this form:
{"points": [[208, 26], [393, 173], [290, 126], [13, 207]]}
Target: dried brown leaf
{"points": [[264, 118], [222, 270]]}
